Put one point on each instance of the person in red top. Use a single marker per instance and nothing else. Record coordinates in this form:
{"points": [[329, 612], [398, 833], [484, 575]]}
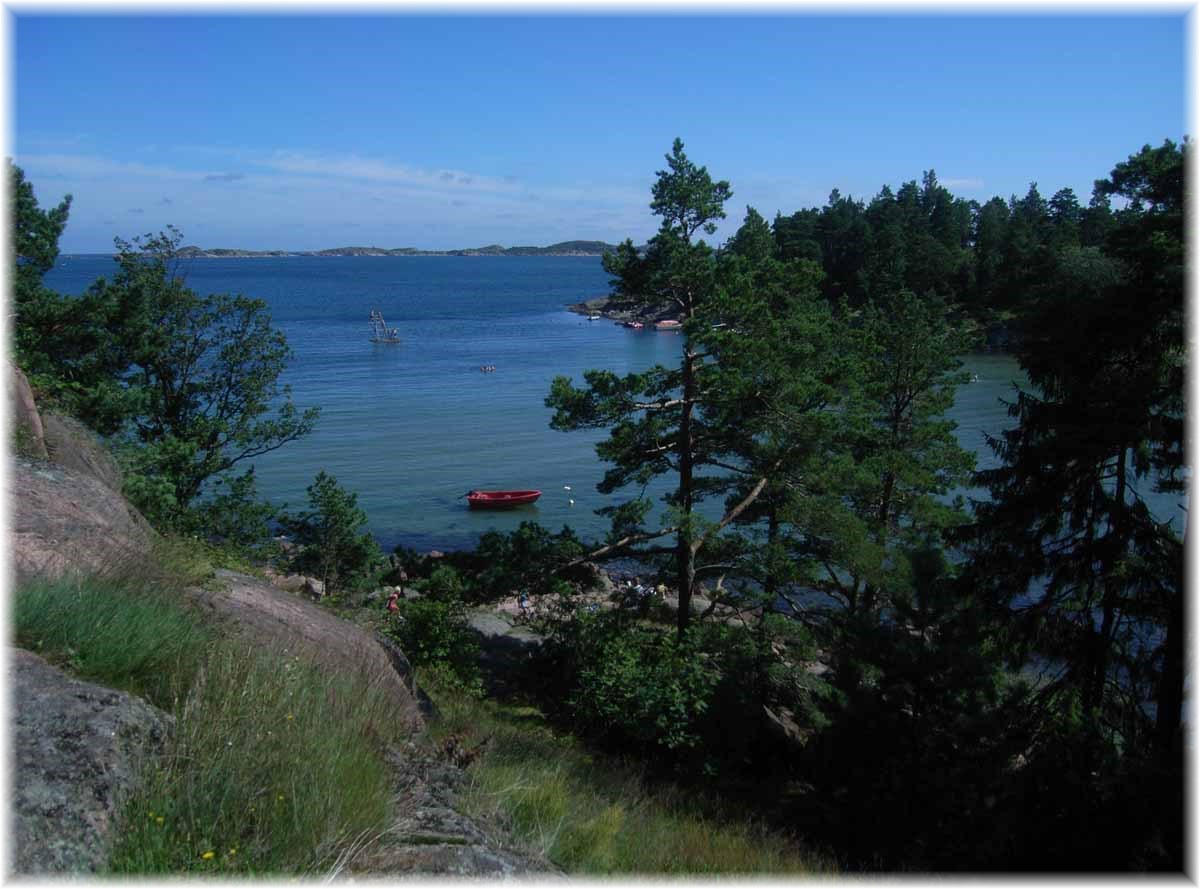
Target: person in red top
{"points": [[391, 602]]}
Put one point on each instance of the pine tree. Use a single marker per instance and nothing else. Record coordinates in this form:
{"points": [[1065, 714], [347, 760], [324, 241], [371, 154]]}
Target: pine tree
{"points": [[1068, 540]]}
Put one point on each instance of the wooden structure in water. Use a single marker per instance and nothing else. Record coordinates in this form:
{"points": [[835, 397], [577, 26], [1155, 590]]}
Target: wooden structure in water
{"points": [[380, 332]]}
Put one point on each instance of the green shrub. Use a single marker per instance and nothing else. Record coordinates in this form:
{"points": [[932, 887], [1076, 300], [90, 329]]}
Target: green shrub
{"points": [[638, 684], [700, 703], [445, 585], [525, 561], [433, 631], [762, 666]]}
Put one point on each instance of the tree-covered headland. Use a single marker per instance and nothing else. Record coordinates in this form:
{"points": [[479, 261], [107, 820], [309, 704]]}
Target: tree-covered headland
{"points": [[840, 644]]}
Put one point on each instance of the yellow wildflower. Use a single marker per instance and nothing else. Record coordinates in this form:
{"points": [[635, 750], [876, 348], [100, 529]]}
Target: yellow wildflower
{"points": [[159, 820], [209, 854], [233, 851]]}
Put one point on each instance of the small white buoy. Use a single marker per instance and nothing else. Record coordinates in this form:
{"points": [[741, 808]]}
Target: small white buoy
{"points": [[566, 487], [570, 501]]}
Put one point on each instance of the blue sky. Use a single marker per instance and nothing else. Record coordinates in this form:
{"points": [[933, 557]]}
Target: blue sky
{"points": [[303, 132]]}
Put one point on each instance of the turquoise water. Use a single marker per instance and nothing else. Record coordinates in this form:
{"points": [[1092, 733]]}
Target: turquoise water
{"points": [[412, 427]]}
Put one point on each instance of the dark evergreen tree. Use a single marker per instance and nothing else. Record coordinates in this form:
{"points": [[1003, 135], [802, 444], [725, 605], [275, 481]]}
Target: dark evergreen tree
{"points": [[796, 236], [990, 237], [841, 230], [1068, 542], [1065, 218], [1097, 220]]}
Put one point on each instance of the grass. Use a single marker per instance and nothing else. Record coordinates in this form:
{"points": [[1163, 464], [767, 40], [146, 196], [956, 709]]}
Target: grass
{"points": [[273, 767], [194, 560], [115, 630], [594, 816]]}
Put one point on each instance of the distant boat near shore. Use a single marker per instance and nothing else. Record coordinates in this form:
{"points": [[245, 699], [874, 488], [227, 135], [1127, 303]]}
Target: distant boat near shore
{"points": [[668, 324]]}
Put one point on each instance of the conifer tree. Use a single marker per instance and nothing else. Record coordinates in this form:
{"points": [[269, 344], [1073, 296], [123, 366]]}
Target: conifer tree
{"points": [[1068, 540], [724, 420], [331, 544]]}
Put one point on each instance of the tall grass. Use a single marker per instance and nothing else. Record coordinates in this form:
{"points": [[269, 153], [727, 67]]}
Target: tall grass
{"points": [[595, 816], [274, 768], [121, 631]]}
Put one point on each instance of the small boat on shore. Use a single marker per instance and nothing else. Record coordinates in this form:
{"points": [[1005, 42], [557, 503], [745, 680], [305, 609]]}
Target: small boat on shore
{"points": [[593, 317], [668, 324], [634, 325], [500, 499]]}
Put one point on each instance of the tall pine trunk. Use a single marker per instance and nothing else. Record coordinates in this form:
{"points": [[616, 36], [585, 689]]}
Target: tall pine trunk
{"points": [[685, 556], [1168, 721], [1093, 699]]}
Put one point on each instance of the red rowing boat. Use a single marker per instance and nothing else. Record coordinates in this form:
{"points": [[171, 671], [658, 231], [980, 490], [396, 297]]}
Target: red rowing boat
{"points": [[500, 499]]}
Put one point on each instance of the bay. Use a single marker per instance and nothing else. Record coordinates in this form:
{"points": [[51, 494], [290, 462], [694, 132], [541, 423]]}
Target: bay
{"points": [[411, 427]]}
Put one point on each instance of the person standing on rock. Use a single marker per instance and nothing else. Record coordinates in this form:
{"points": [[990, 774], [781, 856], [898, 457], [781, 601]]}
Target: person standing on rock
{"points": [[391, 602]]}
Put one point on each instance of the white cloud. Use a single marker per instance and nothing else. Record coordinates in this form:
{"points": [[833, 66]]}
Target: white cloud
{"points": [[363, 169], [91, 167], [252, 199]]}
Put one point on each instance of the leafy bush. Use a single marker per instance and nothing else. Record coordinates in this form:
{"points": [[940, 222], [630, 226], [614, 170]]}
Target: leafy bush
{"points": [[762, 667], [526, 561], [230, 516], [433, 631], [235, 516], [637, 685]]}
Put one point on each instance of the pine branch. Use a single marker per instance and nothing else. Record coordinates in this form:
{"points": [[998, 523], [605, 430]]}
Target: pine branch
{"points": [[745, 504], [621, 544]]}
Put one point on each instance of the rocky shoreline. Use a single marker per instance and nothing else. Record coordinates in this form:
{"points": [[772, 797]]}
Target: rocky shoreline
{"points": [[617, 310], [997, 336]]}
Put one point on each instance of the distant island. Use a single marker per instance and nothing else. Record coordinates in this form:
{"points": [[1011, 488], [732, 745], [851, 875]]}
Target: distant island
{"points": [[565, 248]]}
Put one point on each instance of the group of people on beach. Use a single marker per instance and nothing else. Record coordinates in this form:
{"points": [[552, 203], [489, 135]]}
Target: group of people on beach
{"points": [[487, 368], [634, 592]]}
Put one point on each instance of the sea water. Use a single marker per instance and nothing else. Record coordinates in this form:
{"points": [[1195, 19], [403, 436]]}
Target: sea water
{"points": [[411, 427]]}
